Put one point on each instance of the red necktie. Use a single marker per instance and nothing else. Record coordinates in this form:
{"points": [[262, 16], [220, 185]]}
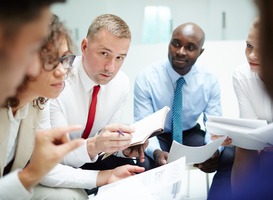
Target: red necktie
{"points": [[92, 112]]}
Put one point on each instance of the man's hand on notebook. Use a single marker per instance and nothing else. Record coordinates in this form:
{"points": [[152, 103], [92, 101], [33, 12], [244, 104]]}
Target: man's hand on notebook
{"points": [[137, 151]]}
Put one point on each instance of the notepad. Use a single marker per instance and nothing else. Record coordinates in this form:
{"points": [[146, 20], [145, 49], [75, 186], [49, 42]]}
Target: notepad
{"points": [[148, 127], [245, 133]]}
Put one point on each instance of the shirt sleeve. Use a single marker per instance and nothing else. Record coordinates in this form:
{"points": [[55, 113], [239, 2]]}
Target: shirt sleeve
{"points": [[245, 106], [45, 121], [142, 108], [213, 107], [69, 177], [57, 117], [12, 188], [116, 117], [77, 157]]}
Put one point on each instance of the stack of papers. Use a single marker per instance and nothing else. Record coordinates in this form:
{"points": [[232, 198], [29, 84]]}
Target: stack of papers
{"points": [[245, 133]]}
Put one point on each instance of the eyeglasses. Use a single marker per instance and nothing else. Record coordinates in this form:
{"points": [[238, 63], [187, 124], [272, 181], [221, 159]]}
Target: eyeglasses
{"points": [[66, 61]]}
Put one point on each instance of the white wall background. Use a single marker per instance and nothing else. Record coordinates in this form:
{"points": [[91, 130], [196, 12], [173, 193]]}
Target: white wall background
{"points": [[206, 13], [220, 56]]}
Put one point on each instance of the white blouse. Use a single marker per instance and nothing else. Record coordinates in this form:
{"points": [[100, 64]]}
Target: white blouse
{"points": [[253, 100]]}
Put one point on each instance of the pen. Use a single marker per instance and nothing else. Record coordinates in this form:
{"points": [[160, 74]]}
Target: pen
{"points": [[120, 133]]}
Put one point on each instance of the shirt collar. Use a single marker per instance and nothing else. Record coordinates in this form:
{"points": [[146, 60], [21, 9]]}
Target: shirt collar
{"points": [[21, 113], [88, 84], [175, 76]]}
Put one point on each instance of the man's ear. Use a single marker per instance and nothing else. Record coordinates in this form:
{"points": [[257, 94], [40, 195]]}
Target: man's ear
{"points": [[84, 46], [201, 52]]}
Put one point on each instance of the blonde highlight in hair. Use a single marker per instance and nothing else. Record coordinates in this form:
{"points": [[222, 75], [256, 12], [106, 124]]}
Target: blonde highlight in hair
{"points": [[112, 23]]}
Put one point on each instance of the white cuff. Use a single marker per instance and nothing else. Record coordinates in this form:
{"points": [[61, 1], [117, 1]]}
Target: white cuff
{"points": [[83, 155], [120, 154], [79, 157], [12, 188]]}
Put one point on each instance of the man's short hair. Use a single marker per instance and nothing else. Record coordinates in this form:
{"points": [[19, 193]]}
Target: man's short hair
{"points": [[15, 13], [112, 23]]}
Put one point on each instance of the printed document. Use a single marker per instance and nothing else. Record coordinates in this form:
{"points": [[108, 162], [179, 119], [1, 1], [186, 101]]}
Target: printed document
{"points": [[161, 183]]}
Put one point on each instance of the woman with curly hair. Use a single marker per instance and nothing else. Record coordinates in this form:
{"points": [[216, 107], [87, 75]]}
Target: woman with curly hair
{"points": [[56, 60], [21, 116]]}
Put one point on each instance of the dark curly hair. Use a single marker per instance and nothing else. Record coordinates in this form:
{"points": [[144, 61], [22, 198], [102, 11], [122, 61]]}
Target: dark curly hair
{"points": [[57, 31]]}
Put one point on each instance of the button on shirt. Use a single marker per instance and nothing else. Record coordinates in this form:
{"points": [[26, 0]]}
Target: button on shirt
{"points": [[154, 89]]}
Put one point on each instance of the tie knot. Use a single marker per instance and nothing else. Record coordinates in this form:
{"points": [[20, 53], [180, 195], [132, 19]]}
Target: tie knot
{"points": [[180, 82], [96, 90]]}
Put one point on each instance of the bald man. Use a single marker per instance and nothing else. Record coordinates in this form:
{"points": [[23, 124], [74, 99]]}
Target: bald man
{"points": [[189, 89]]}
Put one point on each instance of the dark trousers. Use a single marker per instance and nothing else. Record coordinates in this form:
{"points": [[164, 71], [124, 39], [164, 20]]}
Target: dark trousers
{"points": [[110, 162], [195, 137]]}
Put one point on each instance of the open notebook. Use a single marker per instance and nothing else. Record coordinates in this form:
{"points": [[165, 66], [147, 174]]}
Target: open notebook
{"points": [[148, 127]]}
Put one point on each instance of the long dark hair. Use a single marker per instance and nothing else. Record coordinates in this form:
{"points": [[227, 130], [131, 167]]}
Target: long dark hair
{"points": [[266, 38]]}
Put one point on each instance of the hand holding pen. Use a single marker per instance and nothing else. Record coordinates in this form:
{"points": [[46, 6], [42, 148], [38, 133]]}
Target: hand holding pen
{"points": [[114, 137], [120, 133]]}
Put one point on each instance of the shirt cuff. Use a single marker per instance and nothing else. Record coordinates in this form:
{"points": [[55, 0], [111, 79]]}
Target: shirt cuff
{"points": [[153, 145], [12, 188], [220, 148], [83, 155], [120, 154], [79, 157]]}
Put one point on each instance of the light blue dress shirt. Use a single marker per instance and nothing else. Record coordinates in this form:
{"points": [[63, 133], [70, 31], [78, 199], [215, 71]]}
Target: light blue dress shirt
{"points": [[154, 89]]}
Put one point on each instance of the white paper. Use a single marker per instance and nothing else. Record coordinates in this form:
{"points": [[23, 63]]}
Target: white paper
{"points": [[245, 133], [250, 123], [264, 133], [161, 183], [194, 155]]}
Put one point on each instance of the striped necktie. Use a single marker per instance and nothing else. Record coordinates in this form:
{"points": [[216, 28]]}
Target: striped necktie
{"points": [[177, 123]]}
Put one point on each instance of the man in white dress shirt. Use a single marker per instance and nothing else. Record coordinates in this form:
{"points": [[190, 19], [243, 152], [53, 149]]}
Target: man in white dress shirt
{"points": [[103, 52]]}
